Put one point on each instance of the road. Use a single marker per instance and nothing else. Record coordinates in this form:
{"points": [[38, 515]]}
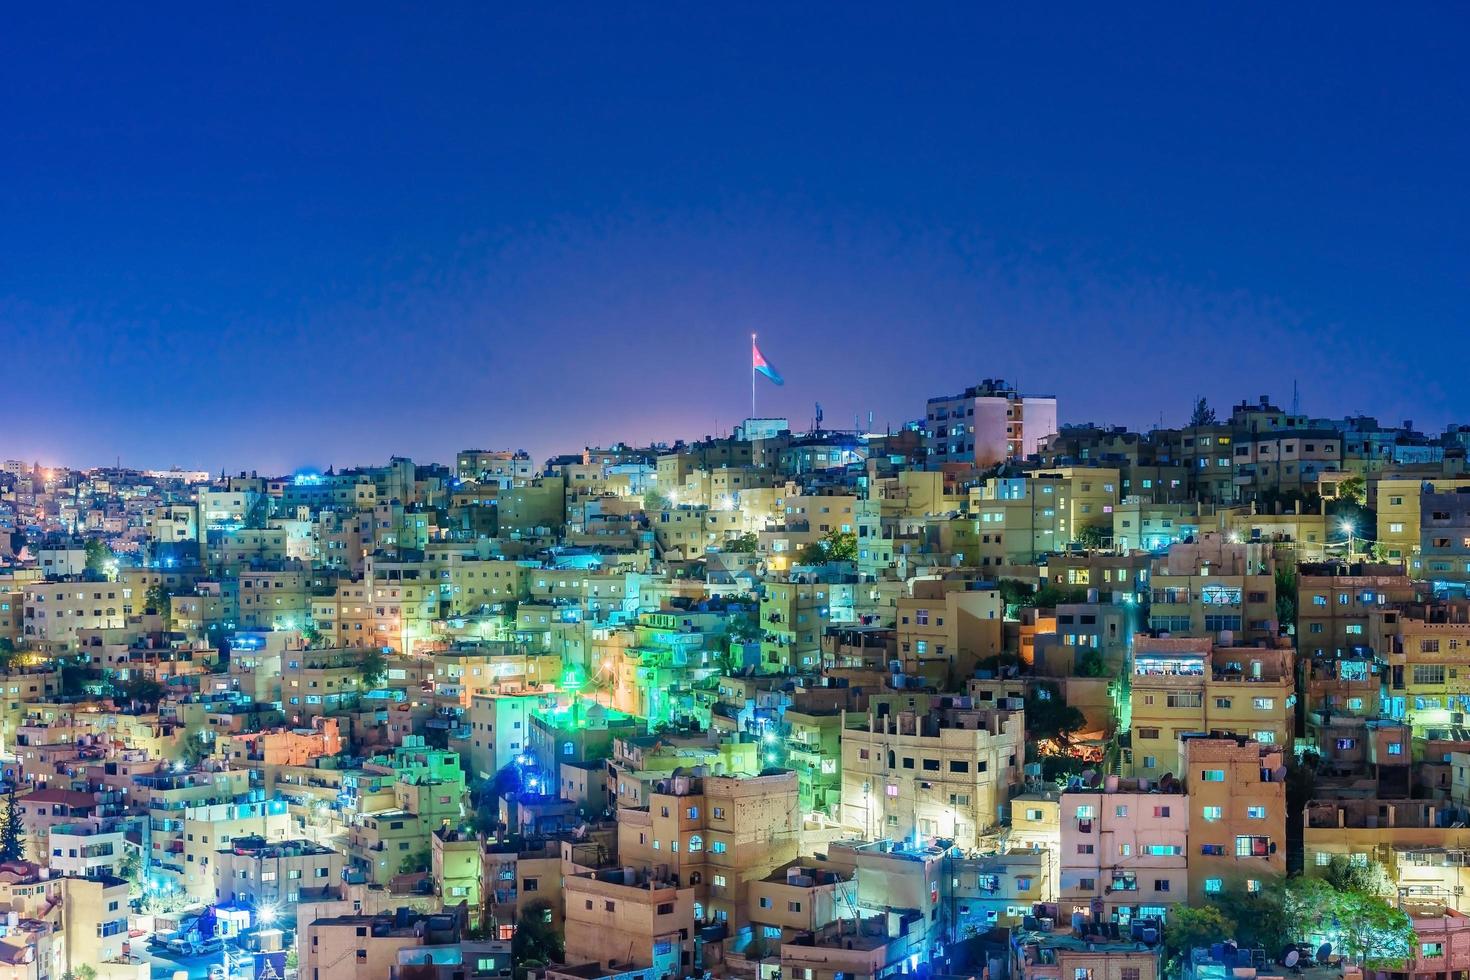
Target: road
{"points": [[164, 965]]}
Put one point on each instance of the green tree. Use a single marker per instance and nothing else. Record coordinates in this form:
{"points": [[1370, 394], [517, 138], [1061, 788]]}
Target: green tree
{"points": [[840, 545], [742, 544], [1353, 490], [653, 500], [1092, 665], [811, 553], [130, 870], [12, 831], [743, 627], [1015, 595], [1372, 932], [1286, 597], [1051, 596], [156, 600], [98, 555], [536, 941], [143, 690], [372, 668], [1049, 718], [413, 863], [195, 747], [1368, 878], [1202, 415], [1191, 927], [1092, 538]]}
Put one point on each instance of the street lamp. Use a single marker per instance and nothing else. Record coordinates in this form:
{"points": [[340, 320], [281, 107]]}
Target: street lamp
{"points": [[1348, 528]]}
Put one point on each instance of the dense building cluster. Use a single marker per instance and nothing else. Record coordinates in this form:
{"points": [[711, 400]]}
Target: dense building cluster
{"points": [[982, 696]]}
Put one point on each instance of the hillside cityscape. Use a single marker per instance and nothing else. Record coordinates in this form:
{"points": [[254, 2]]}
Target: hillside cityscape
{"points": [[981, 696]]}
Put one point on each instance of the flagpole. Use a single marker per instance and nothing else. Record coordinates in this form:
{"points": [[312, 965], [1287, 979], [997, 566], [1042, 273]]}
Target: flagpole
{"points": [[752, 375]]}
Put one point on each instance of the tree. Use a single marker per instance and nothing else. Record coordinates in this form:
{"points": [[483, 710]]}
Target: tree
{"points": [[1092, 665], [143, 690], [413, 863], [1092, 538], [156, 600], [195, 747], [1014, 594], [1051, 596], [653, 500], [1368, 878], [12, 831], [811, 553], [1049, 718], [372, 668], [742, 544], [535, 940], [98, 555], [1202, 415], [1286, 597], [1353, 490], [1372, 932], [840, 545], [1191, 927], [129, 870]]}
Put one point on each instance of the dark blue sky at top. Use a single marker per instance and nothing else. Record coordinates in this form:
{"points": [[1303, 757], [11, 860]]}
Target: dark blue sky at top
{"points": [[285, 235]]}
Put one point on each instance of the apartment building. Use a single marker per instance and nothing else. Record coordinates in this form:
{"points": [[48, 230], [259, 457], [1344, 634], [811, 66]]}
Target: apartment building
{"points": [[1444, 536], [1180, 686], [351, 947], [275, 874], [1237, 816], [86, 849], [1217, 588], [930, 766], [986, 424], [1424, 648], [1124, 850], [1335, 603], [94, 923], [627, 919], [1399, 506], [793, 615], [946, 626]]}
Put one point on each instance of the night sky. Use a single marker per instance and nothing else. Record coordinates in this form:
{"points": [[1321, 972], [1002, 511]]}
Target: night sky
{"points": [[255, 236]]}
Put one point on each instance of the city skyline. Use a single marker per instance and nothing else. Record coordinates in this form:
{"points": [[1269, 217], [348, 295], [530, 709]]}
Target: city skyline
{"points": [[434, 230], [830, 423]]}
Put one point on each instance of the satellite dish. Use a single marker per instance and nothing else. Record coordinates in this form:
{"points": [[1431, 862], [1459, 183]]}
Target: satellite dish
{"points": [[1088, 775], [1291, 958], [1227, 952], [1279, 774], [1095, 781], [1324, 951]]}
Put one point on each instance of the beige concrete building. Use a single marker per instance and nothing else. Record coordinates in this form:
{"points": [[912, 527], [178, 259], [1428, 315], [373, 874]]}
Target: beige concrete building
{"points": [[1191, 685], [629, 919], [1237, 816], [987, 424], [261, 873], [1124, 849], [946, 626], [931, 765]]}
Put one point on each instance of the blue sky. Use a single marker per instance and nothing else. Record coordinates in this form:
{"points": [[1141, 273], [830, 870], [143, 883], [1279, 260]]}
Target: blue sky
{"points": [[270, 237]]}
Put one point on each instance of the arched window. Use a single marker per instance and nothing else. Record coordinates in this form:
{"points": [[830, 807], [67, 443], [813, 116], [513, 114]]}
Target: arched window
{"points": [[696, 843]]}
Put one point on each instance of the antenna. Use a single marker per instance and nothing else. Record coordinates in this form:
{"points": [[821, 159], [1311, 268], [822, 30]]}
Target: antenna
{"points": [[1295, 399]]}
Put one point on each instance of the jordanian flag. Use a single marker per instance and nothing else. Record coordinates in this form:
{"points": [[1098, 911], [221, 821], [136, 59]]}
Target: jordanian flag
{"points": [[759, 363]]}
